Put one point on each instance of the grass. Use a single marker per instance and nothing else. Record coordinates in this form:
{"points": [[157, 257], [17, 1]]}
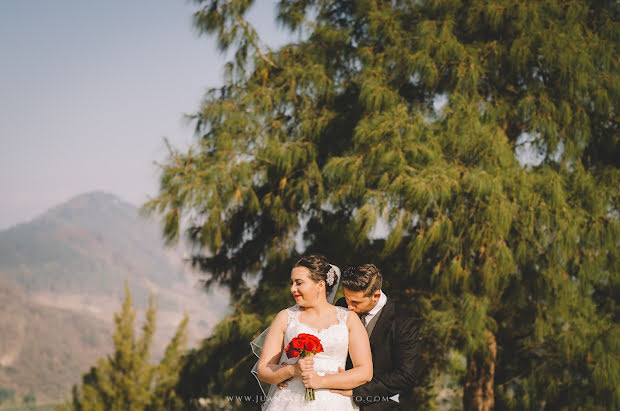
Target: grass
{"points": [[24, 407]]}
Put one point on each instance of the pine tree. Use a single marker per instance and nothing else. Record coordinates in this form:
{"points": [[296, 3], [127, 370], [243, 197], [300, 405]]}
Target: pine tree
{"points": [[127, 380], [166, 374], [469, 148]]}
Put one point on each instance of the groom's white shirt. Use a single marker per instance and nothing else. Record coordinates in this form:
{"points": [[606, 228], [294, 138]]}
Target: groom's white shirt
{"points": [[374, 311]]}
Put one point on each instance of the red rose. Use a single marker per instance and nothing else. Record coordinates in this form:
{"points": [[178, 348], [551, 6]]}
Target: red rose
{"points": [[298, 343], [312, 343], [291, 351], [302, 345], [294, 348]]}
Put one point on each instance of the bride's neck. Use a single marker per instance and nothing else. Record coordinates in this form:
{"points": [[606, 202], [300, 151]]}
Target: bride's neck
{"points": [[320, 308]]}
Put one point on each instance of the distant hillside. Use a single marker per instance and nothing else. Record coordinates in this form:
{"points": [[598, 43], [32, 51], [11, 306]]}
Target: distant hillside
{"points": [[91, 243], [44, 349], [61, 280]]}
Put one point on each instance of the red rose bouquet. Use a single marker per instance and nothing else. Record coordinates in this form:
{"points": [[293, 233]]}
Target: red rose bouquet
{"points": [[302, 346]]}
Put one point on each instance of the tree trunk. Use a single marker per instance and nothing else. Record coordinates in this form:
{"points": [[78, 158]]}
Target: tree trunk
{"points": [[478, 394]]}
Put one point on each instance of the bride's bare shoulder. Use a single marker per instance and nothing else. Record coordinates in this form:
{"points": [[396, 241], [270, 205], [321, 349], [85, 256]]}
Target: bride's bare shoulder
{"points": [[282, 318], [353, 319]]}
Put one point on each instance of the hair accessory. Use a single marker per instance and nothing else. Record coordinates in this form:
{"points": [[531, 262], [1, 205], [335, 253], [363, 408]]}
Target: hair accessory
{"points": [[331, 276]]}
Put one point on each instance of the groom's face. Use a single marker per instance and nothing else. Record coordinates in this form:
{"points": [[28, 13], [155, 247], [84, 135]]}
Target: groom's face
{"points": [[358, 302]]}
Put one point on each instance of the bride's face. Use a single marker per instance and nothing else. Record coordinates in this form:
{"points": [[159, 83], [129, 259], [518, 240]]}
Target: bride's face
{"points": [[303, 288]]}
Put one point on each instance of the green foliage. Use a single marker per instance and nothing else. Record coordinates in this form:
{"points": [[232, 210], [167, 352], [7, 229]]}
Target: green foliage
{"points": [[6, 395], [29, 401], [411, 116], [127, 380]]}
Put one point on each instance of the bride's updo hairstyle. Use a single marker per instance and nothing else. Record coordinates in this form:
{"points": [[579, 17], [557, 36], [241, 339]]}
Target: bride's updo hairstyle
{"points": [[319, 268]]}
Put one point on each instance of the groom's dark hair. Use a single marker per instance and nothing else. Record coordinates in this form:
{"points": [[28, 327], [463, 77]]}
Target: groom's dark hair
{"points": [[365, 277]]}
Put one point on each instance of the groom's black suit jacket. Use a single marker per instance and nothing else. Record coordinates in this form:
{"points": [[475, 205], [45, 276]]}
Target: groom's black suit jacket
{"points": [[394, 343]]}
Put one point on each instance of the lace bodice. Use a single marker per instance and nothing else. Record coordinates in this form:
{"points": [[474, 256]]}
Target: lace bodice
{"points": [[335, 342], [335, 339]]}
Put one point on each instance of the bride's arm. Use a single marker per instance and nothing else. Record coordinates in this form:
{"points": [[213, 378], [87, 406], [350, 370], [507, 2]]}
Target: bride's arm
{"points": [[359, 350], [268, 369]]}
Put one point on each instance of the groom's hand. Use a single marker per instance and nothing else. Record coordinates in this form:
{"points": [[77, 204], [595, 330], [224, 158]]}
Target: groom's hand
{"points": [[346, 393]]}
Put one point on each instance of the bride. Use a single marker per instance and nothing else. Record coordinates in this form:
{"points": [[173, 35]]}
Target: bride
{"points": [[312, 279]]}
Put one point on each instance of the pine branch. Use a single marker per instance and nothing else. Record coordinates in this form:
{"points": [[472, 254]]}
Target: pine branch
{"points": [[246, 30]]}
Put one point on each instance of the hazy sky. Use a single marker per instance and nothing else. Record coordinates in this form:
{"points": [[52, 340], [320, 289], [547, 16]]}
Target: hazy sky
{"points": [[89, 89]]}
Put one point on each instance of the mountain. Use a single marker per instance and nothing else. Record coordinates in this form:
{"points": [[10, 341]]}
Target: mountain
{"points": [[91, 243], [44, 349], [61, 280]]}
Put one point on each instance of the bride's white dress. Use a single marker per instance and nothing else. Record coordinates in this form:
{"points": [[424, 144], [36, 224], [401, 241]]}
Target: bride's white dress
{"points": [[335, 341]]}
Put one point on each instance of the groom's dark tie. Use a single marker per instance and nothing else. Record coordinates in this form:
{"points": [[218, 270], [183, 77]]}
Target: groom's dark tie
{"points": [[363, 318]]}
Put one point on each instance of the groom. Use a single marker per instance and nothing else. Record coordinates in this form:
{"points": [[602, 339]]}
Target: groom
{"points": [[394, 340]]}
